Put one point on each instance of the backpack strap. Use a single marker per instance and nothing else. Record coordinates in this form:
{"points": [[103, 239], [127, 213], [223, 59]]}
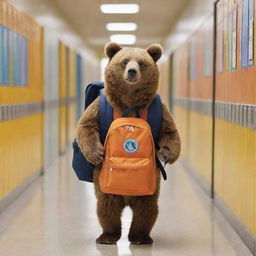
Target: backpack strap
{"points": [[155, 113], [92, 91], [106, 116], [155, 118]]}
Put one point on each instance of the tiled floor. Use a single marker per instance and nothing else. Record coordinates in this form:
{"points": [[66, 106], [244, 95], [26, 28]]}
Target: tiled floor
{"points": [[56, 217]]}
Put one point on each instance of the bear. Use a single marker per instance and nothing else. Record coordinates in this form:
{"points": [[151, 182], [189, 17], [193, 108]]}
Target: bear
{"points": [[131, 81]]}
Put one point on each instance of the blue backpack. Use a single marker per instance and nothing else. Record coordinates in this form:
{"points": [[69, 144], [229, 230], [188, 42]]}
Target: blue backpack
{"points": [[83, 168]]}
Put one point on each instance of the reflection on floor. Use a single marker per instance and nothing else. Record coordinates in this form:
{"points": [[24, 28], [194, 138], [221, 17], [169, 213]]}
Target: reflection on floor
{"points": [[56, 217]]}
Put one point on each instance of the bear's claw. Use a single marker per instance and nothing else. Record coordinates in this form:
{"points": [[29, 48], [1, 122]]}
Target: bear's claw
{"points": [[140, 239], [107, 238], [164, 154], [96, 156]]}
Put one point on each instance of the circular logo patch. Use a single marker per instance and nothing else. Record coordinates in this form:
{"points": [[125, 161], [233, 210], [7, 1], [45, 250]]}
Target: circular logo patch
{"points": [[130, 146]]}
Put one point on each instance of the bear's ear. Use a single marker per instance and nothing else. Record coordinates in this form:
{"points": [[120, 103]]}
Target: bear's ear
{"points": [[155, 51], [111, 49]]}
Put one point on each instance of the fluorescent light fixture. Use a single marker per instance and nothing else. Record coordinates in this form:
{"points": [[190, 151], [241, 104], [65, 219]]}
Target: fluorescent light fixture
{"points": [[121, 26], [120, 8], [123, 39]]}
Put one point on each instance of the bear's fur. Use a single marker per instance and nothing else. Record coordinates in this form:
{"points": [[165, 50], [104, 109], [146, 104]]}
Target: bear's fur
{"points": [[131, 80]]}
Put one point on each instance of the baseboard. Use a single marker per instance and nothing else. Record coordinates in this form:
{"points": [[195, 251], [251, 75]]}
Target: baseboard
{"points": [[13, 195], [196, 176], [248, 238]]}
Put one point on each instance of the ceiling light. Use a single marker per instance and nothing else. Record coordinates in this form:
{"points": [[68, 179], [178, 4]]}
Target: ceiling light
{"points": [[123, 39], [121, 26], [119, 8]]}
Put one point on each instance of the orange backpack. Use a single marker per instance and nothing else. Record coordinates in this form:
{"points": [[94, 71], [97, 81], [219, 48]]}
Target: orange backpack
{"points": [[129, 167]]}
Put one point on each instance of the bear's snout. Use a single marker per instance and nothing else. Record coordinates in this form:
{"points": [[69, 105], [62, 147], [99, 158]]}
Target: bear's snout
{"points": [[132, 72]]}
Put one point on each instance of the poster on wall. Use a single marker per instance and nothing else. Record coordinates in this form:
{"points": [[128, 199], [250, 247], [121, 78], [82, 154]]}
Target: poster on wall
{"points": [[11, 56], [22, 57], [5, 56], [24, 62], [234, 38], [245, 34], [225, 33], [17, 59], [192, 61], [208, 47], [1, 55], [220, 41], [230, 16], [251, 33], [13, 48]]}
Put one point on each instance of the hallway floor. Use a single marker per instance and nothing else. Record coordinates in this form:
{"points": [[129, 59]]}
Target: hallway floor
{"points": [[56, 217]]}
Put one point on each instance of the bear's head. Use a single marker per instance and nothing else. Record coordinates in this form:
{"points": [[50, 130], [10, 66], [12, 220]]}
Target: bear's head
{"points": [[132, 75]]}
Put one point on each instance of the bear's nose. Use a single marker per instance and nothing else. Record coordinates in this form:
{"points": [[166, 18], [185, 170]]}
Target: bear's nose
{"points": [[132, 72]]}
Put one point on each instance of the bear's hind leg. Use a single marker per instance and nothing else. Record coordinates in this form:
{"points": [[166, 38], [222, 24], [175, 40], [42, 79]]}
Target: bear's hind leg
{"points": [[109, 210], [145, 211]]}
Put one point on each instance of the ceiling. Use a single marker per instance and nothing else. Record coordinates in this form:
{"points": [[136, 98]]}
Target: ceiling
{"points": [[155, 19], [81, 24]]}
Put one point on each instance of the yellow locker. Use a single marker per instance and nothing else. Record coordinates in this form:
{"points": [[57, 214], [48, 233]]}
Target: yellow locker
{"points": [[21, 150]]}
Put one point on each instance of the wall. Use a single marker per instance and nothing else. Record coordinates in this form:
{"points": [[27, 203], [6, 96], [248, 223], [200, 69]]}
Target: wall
{"points": [[219, 147], [163, 88], [41, 87], [21, 98], [235, 148]]}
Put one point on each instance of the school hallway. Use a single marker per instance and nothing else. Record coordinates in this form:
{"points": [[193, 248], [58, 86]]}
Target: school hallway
{"points": [[56, 216], [185, 64]]}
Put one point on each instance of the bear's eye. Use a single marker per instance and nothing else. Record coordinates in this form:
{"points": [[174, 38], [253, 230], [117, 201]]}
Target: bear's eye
{"points": [[124, 62], [141, 63]]}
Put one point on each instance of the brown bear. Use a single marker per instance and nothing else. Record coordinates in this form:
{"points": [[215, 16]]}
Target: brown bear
{"points": [[131, 81]]}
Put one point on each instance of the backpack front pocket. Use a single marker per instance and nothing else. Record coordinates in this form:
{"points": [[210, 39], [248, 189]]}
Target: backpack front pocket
{"points": [[120, 170]]}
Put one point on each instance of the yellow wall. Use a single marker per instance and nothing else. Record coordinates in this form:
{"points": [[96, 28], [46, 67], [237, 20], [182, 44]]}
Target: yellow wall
{"points": [[182, 121], [21, 139], [21, 145], [20, 152], [200, 144], [196, 137], [235, 170], [235, 147]]}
